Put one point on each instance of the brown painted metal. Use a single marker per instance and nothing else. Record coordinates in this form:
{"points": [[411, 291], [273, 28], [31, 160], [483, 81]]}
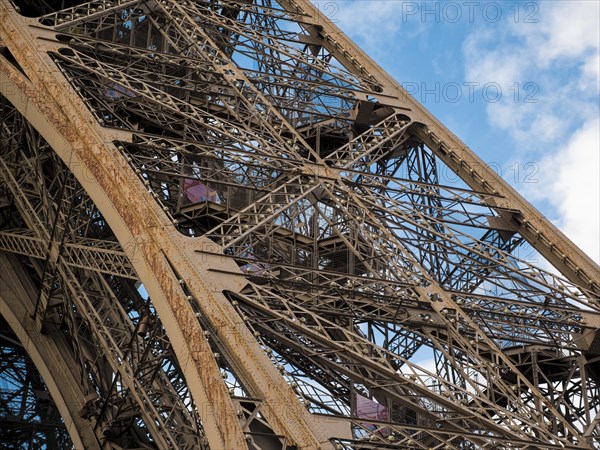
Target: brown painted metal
{"points": [[545, 237], [276, 194], [109, 181]]}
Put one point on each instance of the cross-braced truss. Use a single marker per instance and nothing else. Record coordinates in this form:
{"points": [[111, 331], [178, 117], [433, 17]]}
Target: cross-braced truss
{"points": [[233, 228], [28, 416]]}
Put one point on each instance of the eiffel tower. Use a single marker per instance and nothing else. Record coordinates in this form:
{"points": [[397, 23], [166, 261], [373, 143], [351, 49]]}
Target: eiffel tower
{"points": [[223, 226]]}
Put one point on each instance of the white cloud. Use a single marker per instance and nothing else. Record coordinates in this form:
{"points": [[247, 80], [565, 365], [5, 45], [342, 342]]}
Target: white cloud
{"points": [[590, 73], [560, 54], [565, 29], [375, 24], [573, 186], [369, 22], [501, 65]]}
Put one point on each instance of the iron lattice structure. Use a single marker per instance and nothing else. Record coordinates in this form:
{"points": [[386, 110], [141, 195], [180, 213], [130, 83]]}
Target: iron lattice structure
{"points": [[324, 265]]}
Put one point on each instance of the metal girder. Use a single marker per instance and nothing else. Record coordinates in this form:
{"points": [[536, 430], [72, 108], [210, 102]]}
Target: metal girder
{"points": [[547, 239], [51, 354], [160, 246], [275, 191], [99, 256], [81, 301]]}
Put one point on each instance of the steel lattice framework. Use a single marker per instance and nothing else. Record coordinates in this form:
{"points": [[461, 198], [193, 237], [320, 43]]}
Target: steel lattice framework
{"points": [[281, 200]]}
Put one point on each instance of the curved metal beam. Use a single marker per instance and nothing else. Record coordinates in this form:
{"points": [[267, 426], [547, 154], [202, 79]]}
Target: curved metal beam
{"points": [[49, 353], [155, 247]]}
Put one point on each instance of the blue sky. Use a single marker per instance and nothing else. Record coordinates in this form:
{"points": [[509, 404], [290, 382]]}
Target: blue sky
{"points": [[517, 81]]}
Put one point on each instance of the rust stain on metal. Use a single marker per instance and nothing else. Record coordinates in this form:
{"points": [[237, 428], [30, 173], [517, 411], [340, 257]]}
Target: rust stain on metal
{"points": [[114, 179]]}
